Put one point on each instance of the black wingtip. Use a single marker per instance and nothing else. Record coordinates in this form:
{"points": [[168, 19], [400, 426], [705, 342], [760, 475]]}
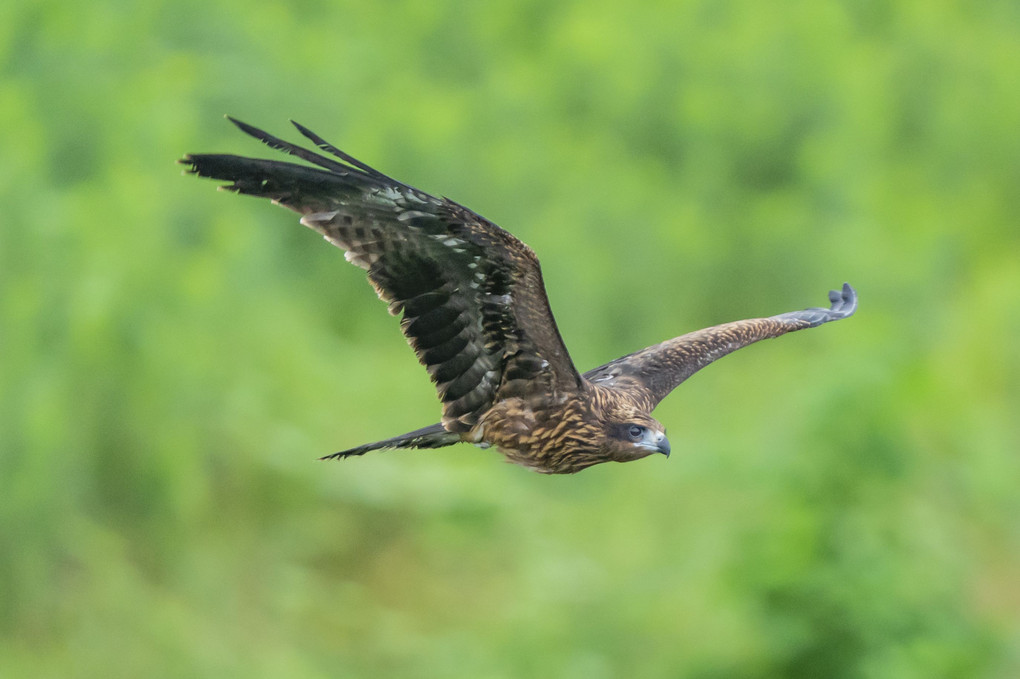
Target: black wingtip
{"points": [[190, 162], [844, 301], [842, 304], [251, 130], [324, 145], [308, 134]]}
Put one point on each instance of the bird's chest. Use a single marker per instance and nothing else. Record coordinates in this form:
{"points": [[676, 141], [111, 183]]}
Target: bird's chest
{"points": [[540, 437]]}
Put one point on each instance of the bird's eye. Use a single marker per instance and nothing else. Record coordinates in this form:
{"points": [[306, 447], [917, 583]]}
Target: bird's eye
{"points": [[636, 432]]}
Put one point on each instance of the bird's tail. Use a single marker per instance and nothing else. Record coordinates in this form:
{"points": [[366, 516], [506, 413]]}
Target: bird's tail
{"points": [[433, 436]]}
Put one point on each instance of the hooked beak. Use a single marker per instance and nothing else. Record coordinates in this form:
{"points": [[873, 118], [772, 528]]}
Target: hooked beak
{"points": [[655, 442], [662, 444]]}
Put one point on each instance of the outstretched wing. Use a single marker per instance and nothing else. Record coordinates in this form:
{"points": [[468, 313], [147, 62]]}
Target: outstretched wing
{"points": [[647, 376], [473, 302]]}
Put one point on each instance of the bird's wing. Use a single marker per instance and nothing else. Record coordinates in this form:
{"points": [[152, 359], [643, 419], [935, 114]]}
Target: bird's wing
{"points": [[473, 302], [647, 376]]}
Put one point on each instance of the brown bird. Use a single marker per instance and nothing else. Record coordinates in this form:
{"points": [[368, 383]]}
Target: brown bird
{"points": [[476, 314]]}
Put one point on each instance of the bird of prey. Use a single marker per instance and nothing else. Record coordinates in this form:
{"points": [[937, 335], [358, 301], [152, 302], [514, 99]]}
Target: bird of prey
{"points": [[475, 311]]}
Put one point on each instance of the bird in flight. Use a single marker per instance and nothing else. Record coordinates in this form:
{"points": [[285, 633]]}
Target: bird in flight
{"points": [[474, 310]]}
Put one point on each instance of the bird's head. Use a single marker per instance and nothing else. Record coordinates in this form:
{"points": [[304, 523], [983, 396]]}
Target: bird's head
{"points": [[634, 436]]}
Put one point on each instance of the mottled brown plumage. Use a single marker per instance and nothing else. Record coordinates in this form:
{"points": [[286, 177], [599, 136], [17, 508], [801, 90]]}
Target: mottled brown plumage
{"points": [[475, 312]]}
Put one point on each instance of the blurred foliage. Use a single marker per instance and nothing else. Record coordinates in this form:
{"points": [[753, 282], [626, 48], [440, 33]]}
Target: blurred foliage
{"points": [[841, 503]]}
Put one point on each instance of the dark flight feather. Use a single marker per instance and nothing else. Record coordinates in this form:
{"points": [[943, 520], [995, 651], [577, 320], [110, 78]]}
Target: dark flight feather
{"points": [[471, 294]]}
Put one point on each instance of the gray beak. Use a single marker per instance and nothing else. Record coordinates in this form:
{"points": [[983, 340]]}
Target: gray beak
{"points": [[662, 444]]}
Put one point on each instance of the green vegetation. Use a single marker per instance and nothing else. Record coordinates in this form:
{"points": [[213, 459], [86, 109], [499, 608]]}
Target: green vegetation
{"points": [[842, 502]]}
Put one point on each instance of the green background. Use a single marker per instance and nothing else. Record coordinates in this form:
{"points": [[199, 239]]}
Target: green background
{"points": [[843, 502]]}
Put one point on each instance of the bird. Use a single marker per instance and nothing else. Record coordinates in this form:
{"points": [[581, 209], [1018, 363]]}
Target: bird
{"points": [[474, 309]]}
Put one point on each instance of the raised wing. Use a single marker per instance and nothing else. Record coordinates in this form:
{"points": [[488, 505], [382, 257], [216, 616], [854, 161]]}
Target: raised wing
{"points": [[647, 376], [473, 302]]}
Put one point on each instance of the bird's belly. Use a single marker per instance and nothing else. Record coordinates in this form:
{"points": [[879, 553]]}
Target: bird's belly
{"points": [[528, 438], [514, 431]]}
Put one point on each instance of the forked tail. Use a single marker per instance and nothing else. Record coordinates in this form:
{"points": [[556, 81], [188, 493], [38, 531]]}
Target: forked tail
{"points": [[433, 436]]}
